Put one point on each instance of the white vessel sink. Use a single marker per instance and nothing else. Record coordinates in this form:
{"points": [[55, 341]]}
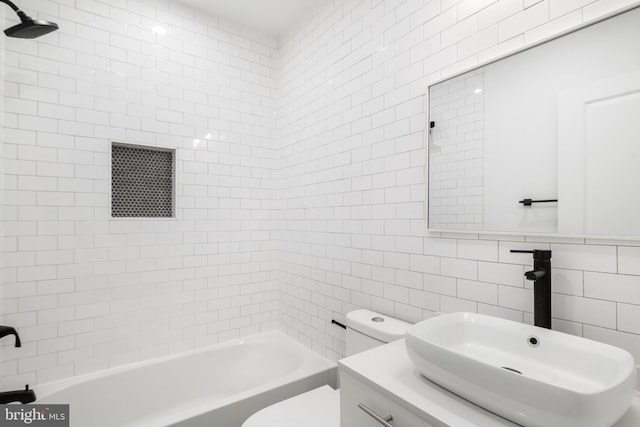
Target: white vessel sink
{"points": [[530, 375]]}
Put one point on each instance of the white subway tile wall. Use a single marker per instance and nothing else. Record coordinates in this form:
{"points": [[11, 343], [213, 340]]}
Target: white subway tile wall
{"points": [[6, 243], [377, 58], [300, 189], [84, 290]]}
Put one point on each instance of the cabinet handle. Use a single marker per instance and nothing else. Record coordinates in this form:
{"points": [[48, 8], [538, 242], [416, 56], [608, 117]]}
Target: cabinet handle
{"points": [[385, 421]]}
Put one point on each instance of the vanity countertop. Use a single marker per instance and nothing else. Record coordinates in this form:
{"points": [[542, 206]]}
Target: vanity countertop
{"points": [[388, 370]]}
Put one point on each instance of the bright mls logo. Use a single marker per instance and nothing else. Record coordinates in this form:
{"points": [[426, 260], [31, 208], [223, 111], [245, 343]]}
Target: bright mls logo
{"points": [[35, 415]]}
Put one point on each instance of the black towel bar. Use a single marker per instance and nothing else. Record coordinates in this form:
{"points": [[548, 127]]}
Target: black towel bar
{"points": [[529, 202]]}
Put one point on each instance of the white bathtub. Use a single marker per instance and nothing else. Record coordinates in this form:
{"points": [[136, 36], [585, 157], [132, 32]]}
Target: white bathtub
{"points": [[219, 386]]}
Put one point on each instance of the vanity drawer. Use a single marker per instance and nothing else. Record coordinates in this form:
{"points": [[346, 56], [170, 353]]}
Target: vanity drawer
{"points": [[360, 404]]}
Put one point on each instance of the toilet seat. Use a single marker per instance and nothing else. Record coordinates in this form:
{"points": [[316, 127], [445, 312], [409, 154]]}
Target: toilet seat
{"points": [[319, 407]]}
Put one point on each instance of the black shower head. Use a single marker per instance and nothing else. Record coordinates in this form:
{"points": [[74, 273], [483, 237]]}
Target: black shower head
{"points": [[28, 28], [31, 28]]}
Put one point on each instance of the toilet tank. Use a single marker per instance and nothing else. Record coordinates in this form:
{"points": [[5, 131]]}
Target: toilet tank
{"points": [[367, 329]]}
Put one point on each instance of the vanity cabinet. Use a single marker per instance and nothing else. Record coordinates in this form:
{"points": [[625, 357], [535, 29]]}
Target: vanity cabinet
{"points": [[385, 381], [354, 392]]}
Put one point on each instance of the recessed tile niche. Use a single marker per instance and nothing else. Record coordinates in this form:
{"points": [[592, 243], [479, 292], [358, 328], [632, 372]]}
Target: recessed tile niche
{"points": [[142, 181]]}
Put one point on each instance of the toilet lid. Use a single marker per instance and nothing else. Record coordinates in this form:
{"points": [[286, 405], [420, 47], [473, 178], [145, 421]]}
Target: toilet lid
{"points": [[316, 408]]}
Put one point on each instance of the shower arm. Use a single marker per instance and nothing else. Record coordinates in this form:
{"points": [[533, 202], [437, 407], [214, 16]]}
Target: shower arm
{"points": [[16, 9]]}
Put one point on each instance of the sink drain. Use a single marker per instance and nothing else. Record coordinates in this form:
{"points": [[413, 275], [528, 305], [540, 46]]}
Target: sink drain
{"points": [[511, 369], [533, 341]]}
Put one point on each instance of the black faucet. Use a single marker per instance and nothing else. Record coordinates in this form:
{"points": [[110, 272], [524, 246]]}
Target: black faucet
{"points": [[23, 396], [541, 276], [8, 330]]}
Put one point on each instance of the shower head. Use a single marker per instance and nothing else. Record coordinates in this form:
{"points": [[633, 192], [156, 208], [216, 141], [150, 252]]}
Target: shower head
{"points": [[28, 28], [31, 28]]}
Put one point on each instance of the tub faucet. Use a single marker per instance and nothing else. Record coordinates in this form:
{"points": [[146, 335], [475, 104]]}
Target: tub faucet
{"points": [[23, 396], [8, 330], [541, 277]]}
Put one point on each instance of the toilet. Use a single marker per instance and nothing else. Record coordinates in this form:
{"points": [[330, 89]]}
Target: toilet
{"points": [[321, 407]]}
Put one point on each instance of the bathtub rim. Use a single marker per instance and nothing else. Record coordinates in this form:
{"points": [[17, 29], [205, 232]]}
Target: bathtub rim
{"points": [[274, 336]]}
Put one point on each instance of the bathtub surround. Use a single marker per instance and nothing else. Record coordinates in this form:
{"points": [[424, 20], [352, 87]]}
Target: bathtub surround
{"points": [[2, 148], [87, 291], [300, 183]]}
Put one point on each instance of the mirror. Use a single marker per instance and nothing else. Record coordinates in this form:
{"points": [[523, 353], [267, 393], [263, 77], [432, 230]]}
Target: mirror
{"points": [[546, 140]]}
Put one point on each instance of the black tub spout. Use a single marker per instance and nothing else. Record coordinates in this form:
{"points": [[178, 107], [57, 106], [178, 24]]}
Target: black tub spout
{"points": [[8, 330], [23, 396]]}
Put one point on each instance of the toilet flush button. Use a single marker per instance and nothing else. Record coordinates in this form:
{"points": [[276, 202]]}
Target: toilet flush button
{"points": [[377, 319]]}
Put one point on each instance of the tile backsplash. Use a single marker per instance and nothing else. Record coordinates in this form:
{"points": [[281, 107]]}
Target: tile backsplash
{"points": [[300, 182]]}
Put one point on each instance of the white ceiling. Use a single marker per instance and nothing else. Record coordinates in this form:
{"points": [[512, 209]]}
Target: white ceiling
{"points": [[273, 17]]}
